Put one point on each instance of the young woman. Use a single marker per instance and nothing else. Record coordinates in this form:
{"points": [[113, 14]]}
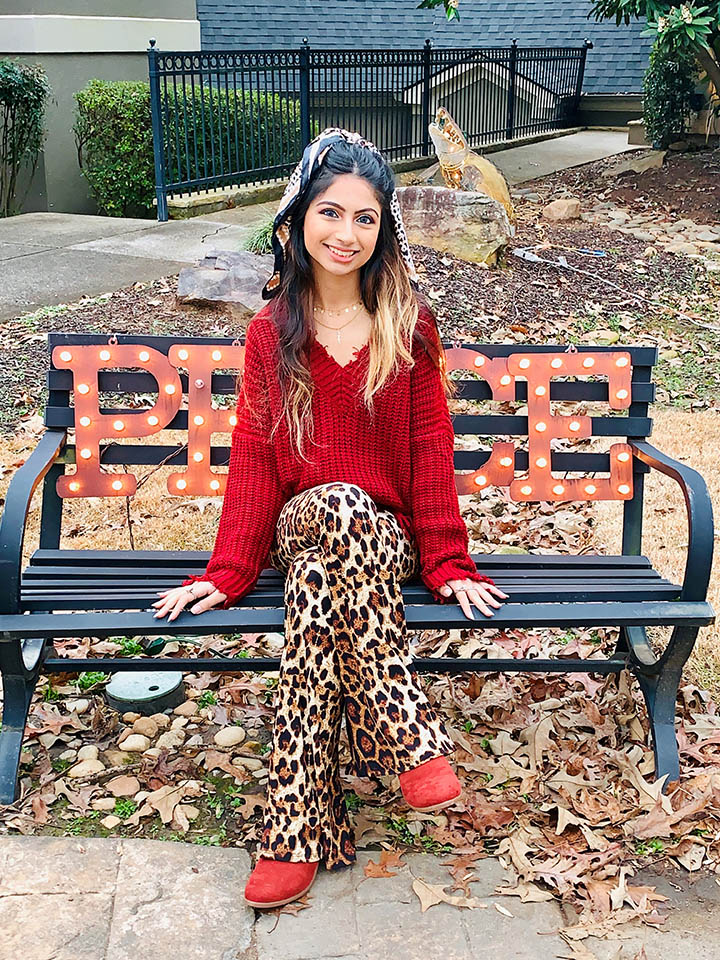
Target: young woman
{"points": [[341, 474]]}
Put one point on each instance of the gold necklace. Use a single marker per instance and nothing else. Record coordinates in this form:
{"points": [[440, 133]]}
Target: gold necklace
{"points": [[335, 313], [342, 326]]}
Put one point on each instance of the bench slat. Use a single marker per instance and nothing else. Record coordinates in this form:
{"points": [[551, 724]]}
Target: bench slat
{"points": [[91, 575], [117, 600], [418, 617], [224, 385], [200, 558]]}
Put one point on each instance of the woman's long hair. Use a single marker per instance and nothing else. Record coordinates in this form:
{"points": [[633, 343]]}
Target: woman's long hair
{"points": [[384, 287]]}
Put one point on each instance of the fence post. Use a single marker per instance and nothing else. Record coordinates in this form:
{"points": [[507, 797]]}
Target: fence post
{"points": [[510, 123], [305, 92], [580, 77], [427, 54], [157, 131]]}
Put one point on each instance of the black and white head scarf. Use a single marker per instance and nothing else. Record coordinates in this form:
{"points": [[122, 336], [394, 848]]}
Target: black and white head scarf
{"points": [[312, 157]]}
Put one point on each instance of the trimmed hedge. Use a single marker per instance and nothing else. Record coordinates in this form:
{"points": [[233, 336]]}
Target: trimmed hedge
{"points": [[113, 131]]}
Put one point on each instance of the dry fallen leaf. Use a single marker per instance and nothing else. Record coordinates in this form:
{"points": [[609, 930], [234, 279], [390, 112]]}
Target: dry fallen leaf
{"points": [[430, 894]]}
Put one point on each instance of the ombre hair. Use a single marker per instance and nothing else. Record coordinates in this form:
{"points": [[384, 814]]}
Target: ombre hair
{"points": [[384, 288]]}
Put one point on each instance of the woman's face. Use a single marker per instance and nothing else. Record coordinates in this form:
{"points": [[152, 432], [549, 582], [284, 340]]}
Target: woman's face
{"points": [[342, 225]]}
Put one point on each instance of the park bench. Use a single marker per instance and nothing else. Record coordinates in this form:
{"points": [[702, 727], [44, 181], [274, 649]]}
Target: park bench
{"points": [[100, 593]]}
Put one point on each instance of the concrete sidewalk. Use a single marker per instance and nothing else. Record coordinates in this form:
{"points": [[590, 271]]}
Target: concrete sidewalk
{"points": [[52, 258], [115, 899]]}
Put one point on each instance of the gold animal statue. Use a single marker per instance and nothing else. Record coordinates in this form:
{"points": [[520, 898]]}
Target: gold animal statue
{"points": [[461, 168]]}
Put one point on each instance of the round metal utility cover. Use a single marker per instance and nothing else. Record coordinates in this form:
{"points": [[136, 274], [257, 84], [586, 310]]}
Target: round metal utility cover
{"points": [[145, 693]]}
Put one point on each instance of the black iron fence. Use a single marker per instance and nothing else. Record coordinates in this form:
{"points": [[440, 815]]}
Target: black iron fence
{"points": [[231, 117]]}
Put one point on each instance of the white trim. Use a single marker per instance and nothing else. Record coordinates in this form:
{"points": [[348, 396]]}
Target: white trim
{"points": [[33, 33]]}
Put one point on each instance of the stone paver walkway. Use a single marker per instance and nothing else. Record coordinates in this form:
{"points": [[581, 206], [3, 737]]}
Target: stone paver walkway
{"points": [[122, 899]]}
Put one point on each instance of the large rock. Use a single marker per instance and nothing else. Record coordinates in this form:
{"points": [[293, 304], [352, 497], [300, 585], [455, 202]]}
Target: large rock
{"points": [[227, 276], [649, 160], [467, 224]]}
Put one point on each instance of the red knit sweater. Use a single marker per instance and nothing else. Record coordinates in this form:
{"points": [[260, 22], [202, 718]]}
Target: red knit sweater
{"points": [[403, 459]]}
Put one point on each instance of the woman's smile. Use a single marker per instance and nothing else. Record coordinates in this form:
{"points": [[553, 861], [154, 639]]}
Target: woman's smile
{"points": [[338, 253]]}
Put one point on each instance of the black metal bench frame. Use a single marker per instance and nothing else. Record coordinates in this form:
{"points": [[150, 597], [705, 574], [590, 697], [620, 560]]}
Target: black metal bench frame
{"points": [[108, 593]]}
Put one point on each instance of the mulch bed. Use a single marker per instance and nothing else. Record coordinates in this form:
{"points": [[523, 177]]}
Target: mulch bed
{"points": [[686, 186]]}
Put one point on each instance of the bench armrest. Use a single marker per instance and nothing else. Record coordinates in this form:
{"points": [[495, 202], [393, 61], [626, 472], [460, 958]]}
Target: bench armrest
{"points": [[700, 517], [14, 515]]}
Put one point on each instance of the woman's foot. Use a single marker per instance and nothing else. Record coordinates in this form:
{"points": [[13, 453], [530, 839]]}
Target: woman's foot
{"points": [[431, 785], [275, 882]]}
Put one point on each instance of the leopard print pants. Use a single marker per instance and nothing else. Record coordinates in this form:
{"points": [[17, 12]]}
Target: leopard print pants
{"points": [[346, 652]]}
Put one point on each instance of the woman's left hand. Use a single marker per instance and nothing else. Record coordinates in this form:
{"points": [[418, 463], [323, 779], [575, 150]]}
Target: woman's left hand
{"points": [[470, 591]]}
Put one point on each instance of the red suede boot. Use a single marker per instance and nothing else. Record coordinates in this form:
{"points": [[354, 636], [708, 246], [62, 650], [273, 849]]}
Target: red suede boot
{"points": [[431, 785], [275, 882]]}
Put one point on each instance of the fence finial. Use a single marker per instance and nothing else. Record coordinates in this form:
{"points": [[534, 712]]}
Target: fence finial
{"points": [[153, 41]]}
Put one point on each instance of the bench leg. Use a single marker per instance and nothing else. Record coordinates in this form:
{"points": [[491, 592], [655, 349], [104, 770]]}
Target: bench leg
{"points": [[659, 685], [19, 677]]}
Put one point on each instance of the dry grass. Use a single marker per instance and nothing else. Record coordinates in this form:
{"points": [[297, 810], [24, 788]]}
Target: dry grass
{"points": [[693, 438], [161, 521]]}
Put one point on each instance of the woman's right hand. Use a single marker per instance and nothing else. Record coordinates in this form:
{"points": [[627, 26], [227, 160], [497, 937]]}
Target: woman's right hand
{"points": [[201, 593]]}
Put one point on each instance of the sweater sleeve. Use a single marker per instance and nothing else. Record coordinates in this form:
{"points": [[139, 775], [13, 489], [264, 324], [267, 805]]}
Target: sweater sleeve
{"points": [[253, 495], [440, 530]]}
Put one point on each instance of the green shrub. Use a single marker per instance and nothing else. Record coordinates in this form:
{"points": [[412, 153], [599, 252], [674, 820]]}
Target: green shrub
{"points": [[113, 131], [203, 125], [668, 85], [24, 89]]}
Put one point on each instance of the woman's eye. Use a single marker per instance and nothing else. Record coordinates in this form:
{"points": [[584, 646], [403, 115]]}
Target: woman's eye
{"points": [[364, 218]]}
